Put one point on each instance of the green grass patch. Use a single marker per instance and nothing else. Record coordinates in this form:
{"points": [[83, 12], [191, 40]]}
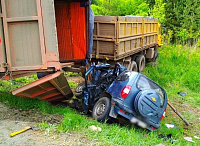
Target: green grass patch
{"points": [[73, 85], [71, 74]]}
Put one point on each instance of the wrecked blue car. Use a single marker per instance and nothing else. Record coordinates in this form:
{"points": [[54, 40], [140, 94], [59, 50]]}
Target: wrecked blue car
{"points": [[115, 92]]}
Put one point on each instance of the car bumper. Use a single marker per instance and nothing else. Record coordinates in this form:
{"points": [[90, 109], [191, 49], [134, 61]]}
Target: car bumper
{"points": [[117, 107]]}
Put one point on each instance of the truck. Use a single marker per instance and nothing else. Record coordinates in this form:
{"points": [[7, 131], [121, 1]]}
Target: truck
{"points": [[49, 37], [130, 40]]}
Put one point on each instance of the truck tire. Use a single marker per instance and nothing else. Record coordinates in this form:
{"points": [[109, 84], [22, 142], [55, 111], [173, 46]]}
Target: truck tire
{"points": [[101, 109], [133, 66], [140, 60], [155, 56]]}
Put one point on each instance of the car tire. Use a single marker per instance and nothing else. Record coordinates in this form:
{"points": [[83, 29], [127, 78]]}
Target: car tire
{"points": [[79, 90], [101, 109], [140, 60]]}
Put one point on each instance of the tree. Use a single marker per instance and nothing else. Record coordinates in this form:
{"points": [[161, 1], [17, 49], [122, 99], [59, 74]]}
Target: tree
{"points": [[158, 11], [120, 7]]}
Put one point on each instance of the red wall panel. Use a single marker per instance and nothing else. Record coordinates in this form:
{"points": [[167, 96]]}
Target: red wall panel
{"points": [[71, 31]]}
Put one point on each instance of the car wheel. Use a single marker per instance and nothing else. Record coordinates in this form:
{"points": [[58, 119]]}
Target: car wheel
{"points": [[79, 90], [140, 60], [101, 109]]}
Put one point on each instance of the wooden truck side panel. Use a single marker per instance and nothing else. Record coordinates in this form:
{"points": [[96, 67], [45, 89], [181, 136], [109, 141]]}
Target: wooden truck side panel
{"points": [[118, 37]]}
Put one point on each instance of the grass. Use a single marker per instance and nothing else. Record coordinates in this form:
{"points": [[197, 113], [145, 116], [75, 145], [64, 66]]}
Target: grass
{"points": [[176, 70]]}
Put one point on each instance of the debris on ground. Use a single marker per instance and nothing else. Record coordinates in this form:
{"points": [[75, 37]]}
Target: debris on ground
{"points": [[168, 137], [160, 144], [196, 137], [94, 128], [189, 139], [12, 119], [171, 126], [177, 112], [182, 94], [21, 131]]}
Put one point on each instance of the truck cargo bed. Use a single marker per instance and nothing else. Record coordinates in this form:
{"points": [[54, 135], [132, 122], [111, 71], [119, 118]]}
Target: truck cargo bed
{"points": [[116, 37]]}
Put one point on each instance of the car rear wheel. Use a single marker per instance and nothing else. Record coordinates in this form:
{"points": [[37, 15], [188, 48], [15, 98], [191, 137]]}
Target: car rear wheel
{"points": [[101, 109]]}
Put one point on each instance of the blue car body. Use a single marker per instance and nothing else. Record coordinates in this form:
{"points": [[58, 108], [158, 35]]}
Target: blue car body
{"points": [[145, 104]]}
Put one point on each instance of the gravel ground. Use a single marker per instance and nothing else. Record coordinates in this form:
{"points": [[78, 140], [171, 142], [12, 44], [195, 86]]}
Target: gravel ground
{"points": [[12, 120]]}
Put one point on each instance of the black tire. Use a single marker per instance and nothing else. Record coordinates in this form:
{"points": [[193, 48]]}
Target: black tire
{"points": [[155, 55], [101, 109], [140, 60], [79, 90], [133, 66]]}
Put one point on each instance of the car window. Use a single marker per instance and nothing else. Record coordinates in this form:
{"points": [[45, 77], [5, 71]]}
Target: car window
{"points": [[144, 83]]}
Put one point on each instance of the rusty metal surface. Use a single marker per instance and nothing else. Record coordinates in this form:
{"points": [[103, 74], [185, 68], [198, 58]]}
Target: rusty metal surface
{"points": [[52, 88]]}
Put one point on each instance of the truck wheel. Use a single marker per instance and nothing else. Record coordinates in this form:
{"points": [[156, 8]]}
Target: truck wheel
{"points": [[155, 56], [140, 60], [101, 109], [133, 66]]}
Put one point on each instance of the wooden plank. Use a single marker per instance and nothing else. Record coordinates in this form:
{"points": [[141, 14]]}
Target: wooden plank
{"points": [[7, 45], [18, 19], [41, 31]]}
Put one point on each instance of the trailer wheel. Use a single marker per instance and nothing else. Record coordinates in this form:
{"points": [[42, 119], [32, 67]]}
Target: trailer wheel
{"points": [[101, 109], [133, 66], [155, 56], [140, 60]]}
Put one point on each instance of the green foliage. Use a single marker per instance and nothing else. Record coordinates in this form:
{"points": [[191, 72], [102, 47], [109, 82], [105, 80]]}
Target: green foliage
{"points": [[24, 103], [198, 43], [158, 11], [120, 7], [71, 74], [178, 66], [169, 36], [73, 85], [182, 18], [183, 15], [15, 83], [183, 34]]}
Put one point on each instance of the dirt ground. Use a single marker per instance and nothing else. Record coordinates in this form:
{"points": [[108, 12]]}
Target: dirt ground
{"points": [[12, 120]]}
